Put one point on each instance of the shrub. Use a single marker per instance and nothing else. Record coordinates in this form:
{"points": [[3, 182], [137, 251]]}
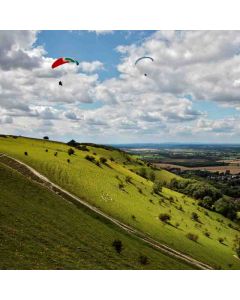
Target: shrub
{"points": [[140, 190], [195, 217], [237, 245], [94, 153], [25, 153], [90, 158], [142, 172], [72, 143], [207, 234], [71, 151], [152, 176], [68, 160], [221, 240], [157, 187], [165, 217], [55, 154], [112, 159], [120, 186], [46, 150], [143, 259], [193, 237], [82, 148], [98, 164], [128, 179], [117, 245], [103, 160]]}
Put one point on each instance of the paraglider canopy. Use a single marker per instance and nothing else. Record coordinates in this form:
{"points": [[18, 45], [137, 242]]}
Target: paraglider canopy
{"points": [[63, 60], [143, 57], [143, 63]]}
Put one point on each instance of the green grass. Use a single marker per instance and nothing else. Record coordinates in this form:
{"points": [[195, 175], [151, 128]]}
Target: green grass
{"points": [[39, 230], [100, 187]]}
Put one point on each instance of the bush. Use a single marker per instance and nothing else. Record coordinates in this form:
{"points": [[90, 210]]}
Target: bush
{"points": [[193, 237], [46, 138], [165, 217], [71, 151], [195, 217], [207, 234], [25, 153], [117, 245], [46, 150], [103, 160], [134, 217], [142, 172], [68, 160], [152, 176], [128, 179], [221, 240], [143, 259], [112, 159], [55, 154], [157, 187], [82, 148], [120, 186], [90, 158], [237, 245]]}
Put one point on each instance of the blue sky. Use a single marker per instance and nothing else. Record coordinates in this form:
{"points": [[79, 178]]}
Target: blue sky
{"points": [[88, 46], [191, 92]]}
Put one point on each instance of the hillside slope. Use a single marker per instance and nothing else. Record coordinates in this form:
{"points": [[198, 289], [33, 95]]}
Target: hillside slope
{"points": [[39, 230], [114, 188]]}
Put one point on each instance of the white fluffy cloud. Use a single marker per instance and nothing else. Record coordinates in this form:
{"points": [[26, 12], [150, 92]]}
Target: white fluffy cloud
{"points": [[188, 67]]}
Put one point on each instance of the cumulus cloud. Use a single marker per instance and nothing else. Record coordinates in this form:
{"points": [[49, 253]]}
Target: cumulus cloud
{"points": [[102, 32], [188, 67], [90, 67]]}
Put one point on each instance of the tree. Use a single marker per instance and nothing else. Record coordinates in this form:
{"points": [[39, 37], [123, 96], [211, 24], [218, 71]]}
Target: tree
{"points": [[142, 172], [165, 218], [117, 245], [72, 143], [195, 217], [46, 138], [237, 245], [193, 237], [157, 187], [152, 176], [103, 160], [143, 259], [70, 151]]}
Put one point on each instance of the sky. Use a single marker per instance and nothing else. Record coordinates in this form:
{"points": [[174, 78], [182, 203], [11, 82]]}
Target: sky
{"points": [[191, 92]]}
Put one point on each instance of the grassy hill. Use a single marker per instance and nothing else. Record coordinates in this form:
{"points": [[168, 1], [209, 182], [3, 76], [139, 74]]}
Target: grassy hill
{"points": [[39, 230], [116, 189]]}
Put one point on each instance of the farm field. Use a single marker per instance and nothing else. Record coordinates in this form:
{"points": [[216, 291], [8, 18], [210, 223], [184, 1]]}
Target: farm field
{"points": [[116, 189], [233, 168]]}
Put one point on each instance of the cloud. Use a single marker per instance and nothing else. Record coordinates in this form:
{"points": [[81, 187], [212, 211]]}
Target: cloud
{"points": [[90, 67], [102, 32], [188, 67]]}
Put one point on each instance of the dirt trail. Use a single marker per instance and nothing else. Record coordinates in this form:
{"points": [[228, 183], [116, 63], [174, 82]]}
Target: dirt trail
{"points": [[34, 175]]}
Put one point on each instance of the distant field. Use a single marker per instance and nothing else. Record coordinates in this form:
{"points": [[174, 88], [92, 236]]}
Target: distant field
{"points": [[234, 169]]}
